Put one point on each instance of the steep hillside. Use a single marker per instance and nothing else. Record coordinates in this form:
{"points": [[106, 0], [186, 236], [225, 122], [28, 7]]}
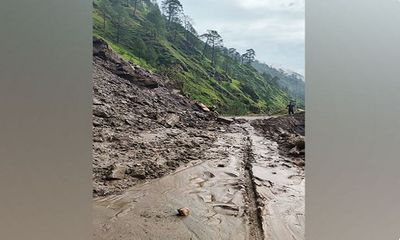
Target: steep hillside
{"points": [[290, 81], [142, 129], [210, 73]]}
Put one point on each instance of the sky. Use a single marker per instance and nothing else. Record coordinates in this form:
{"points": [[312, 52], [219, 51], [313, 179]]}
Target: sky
{"points": [[273, 28]]}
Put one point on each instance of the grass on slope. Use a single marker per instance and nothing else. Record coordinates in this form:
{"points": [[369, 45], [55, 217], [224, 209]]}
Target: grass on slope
{"points": [[146, 40]]}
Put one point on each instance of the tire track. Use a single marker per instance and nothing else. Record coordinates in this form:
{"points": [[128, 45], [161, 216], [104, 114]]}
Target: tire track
{"points": [[254, 210]]}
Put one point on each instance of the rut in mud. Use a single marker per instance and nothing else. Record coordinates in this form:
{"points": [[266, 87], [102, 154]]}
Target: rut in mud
{"points": [[254, 211]]}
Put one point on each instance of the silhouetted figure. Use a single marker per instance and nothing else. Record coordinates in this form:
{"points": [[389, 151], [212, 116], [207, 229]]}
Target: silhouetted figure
{"points": [[291, 108]]}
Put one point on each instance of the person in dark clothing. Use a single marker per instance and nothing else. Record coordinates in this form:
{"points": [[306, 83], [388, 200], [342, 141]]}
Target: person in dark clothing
{"points": [[291, 108]]}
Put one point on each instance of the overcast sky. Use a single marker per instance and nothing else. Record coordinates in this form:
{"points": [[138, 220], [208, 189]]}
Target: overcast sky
{"points": [[273, 28]]}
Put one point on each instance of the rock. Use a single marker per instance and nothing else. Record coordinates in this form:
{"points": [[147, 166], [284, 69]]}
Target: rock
{"points": [[127, 121], [125, 72], [138, 173], [294, 152], [202, 107], [183, 212], [97, 101], [299, 163], [302, 152], [118, 172], [283, 133], [99, 47], [172, 119], [297, 141], [96, 123], [101, 112], [173, 164], [225, 120], [98, 139]]}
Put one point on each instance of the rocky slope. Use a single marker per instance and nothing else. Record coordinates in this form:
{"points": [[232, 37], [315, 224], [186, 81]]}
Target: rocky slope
{"points": [[142, 128]]}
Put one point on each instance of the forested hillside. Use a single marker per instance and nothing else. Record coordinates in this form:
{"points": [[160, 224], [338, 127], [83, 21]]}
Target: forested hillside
{"points": [[163, 40], [291, 82]]}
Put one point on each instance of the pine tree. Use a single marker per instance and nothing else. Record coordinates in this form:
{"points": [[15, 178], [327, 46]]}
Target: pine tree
{"points": [[105, 9], [214, 40], [172, 9]]}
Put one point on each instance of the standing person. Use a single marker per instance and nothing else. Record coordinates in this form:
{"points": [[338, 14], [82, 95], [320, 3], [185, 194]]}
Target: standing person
{"points": [[291, 108]]}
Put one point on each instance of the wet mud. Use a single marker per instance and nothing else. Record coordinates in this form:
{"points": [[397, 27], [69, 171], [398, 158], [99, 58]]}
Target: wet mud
{"points": [[242, 188], [213, 191]]}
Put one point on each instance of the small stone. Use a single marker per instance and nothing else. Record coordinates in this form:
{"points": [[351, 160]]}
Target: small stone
{"points": [[183, 212], [97, 101]]}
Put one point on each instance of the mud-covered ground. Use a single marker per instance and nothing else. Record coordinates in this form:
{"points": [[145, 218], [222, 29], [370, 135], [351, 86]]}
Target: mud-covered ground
{"points": [[156, 151]]}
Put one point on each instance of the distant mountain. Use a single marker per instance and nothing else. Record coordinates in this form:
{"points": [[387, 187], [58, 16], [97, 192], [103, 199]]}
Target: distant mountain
{"points": [[291, 81]]}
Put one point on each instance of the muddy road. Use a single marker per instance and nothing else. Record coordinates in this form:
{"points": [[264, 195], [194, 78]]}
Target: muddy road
{"points": [[244, 188]]}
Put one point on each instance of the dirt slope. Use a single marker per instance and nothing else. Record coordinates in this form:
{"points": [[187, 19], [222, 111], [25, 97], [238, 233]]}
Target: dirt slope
{"points": [[141, 128]]}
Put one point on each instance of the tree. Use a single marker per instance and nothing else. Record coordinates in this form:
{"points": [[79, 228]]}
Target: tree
{"points": [[141, 48], [188, 24], [237, 57], [151, 56], [105, 9], [231, 52], [157, 20], [214, 40], [135, 3], [249, 56], [172, 9], [119, 17], [227, 63]]}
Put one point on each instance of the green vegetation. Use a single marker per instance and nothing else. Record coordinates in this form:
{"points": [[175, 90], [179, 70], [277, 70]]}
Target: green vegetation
{"points": [[167, 43]]}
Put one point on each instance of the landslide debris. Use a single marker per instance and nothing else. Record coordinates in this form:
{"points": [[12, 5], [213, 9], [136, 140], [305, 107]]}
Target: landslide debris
{"points": [[142, 128], [288, 131]]}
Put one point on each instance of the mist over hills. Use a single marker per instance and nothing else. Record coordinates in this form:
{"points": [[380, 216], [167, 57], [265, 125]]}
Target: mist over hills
{"points": [[290, 81]]}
